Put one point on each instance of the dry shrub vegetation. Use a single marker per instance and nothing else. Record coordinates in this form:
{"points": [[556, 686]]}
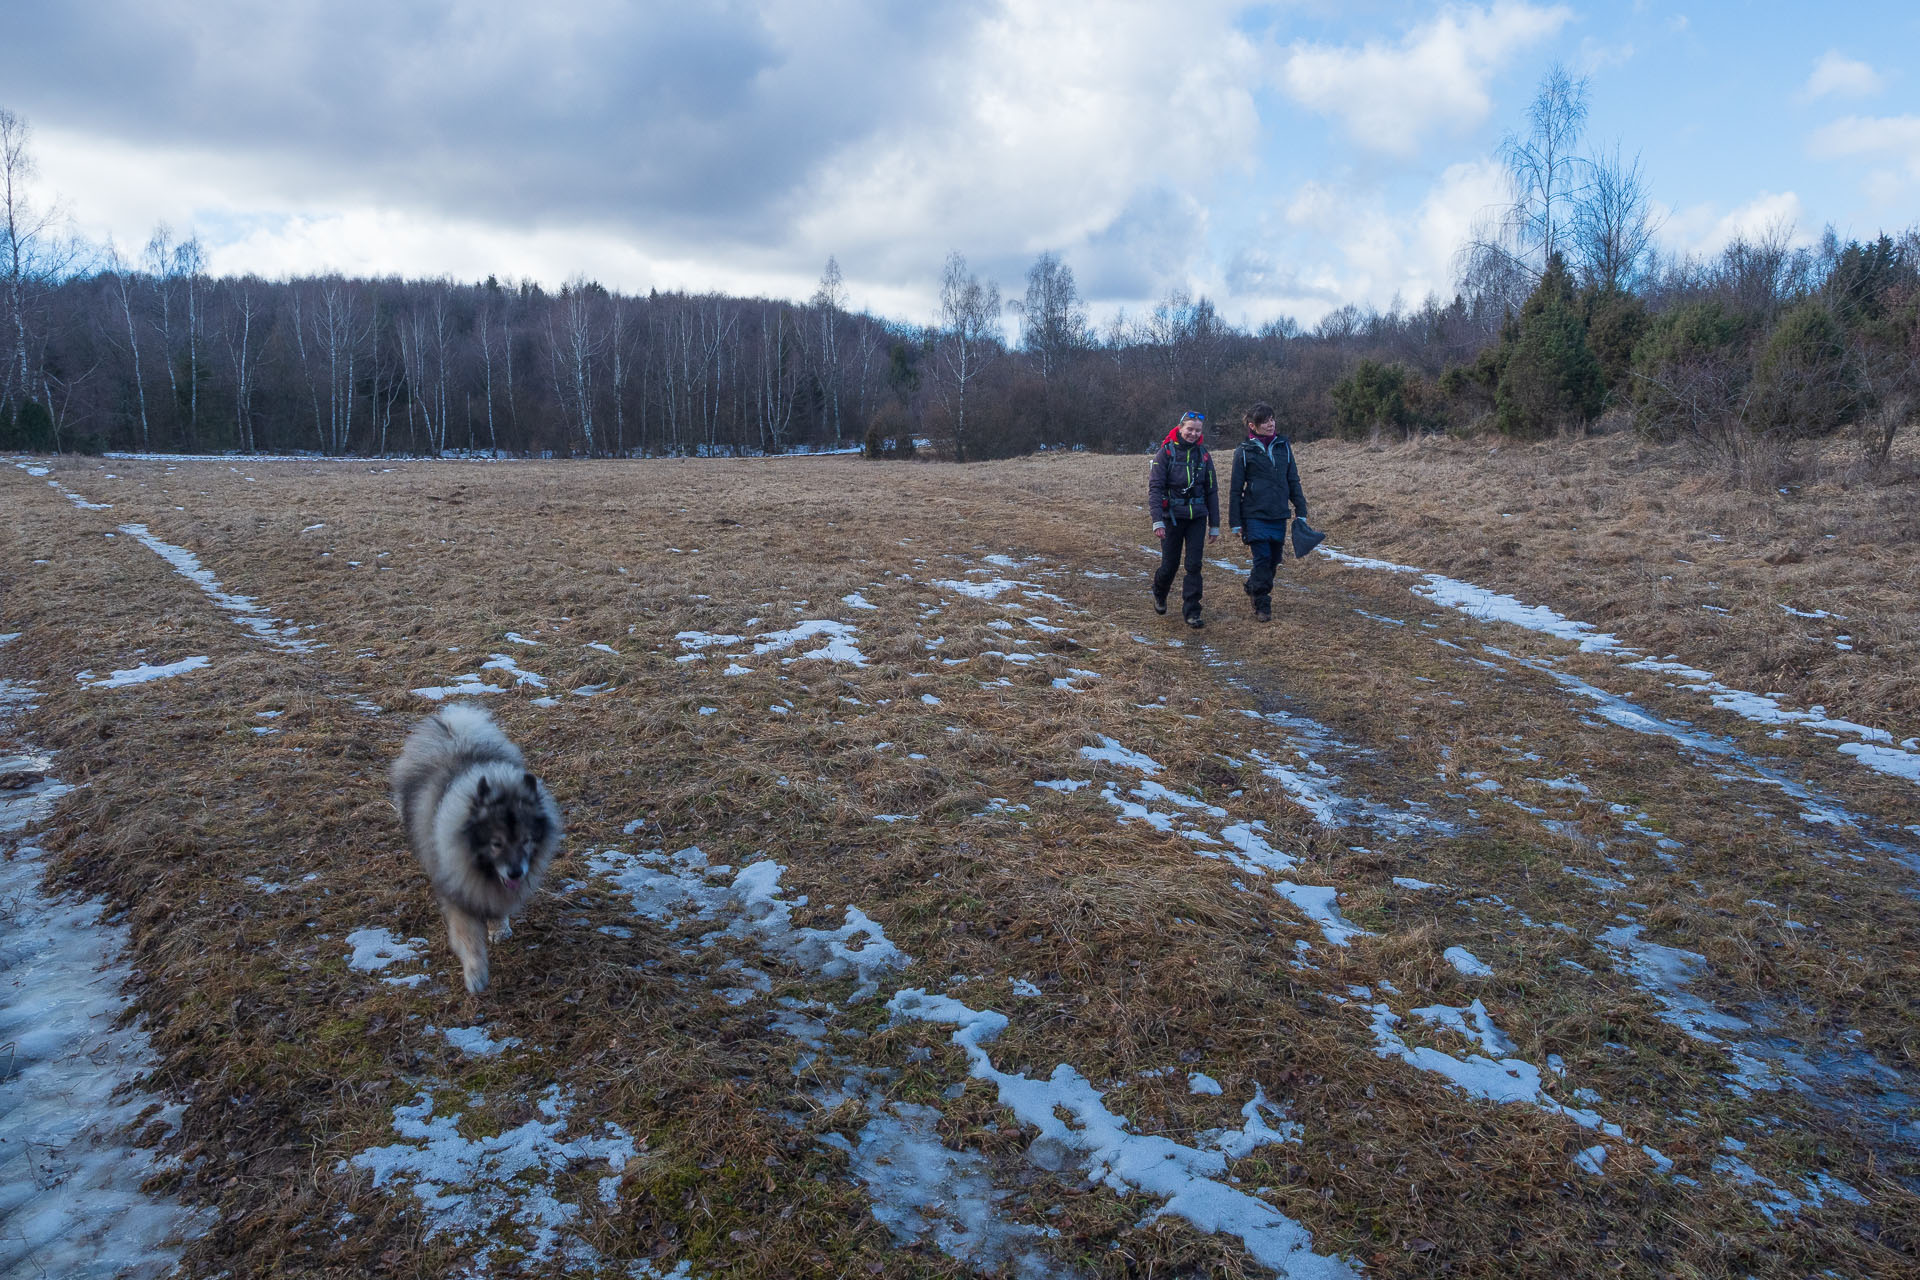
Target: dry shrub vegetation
{"points": [[1147, 957]]}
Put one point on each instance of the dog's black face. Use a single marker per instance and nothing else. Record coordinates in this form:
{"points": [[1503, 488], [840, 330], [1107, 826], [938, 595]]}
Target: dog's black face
{"points": [[505, 829]]}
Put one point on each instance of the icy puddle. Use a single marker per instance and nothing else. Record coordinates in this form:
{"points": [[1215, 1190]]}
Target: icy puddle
{"points": [[71, 1203]]}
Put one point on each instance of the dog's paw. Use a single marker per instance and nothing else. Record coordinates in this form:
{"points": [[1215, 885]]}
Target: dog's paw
{"points": [[499, 929]]}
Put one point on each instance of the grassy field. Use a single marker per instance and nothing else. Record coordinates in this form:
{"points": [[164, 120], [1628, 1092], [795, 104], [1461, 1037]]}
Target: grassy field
{"points": [[1678, 1037]]}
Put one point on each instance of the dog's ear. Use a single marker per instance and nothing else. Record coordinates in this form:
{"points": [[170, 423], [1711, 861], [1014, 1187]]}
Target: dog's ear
{"points": [[532, 784], [480, 790]]}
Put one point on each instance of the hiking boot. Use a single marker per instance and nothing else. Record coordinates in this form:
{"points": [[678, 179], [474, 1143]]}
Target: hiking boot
{"points": [[1195, 621], [1159, 602], [1262, 611]]}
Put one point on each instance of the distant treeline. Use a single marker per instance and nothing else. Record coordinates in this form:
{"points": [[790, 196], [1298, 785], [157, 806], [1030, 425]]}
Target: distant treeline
{"points": [[1565, 312]]}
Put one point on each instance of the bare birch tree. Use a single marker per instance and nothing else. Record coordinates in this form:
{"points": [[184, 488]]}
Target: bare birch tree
{"points": [[123, 294], [1613, 223], [969, 339], [831, 299]]}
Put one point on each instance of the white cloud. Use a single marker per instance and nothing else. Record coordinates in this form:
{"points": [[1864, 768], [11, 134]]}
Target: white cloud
{"points": [[1837, 75], [1349, 245], [1390, 96], [1895, 138], [708, 150], [1704, 230]]}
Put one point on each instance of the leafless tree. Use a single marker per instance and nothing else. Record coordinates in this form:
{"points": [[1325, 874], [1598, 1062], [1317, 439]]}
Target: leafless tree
{"points": [[774, 383], [831, 301], [243, 348], [577, 350], [123, 294], [969, 339], [1613, 223], [1053, 319], [32, 253], [1509, 249], [189, 265]]}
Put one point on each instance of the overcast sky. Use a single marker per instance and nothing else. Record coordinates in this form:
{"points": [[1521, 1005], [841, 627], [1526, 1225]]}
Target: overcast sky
{"points": [[1280, 158]]}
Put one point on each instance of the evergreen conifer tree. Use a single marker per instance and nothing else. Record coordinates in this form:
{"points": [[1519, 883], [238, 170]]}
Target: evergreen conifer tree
{"points": [[1552, 378]]}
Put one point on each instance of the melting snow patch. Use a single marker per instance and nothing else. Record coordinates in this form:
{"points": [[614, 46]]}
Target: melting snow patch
{"points": [[1408, 882], [703, 639], [1319, 903], [143, 673], [243, 609], [479, 1189], [1592, 1160], [375, 949], [474, 1041], [857, 601], [838, 648], [1888, 760], [1491, 606], [1113, 753], [504, 662], [1076, 1127], [989, 590], [470, 683], [1662, 972], [70, 1189], [924, 1190], [1468, 964]]}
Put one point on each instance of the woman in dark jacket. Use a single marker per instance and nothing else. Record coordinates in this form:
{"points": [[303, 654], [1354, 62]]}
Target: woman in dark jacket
{"points": [[1265, 485], [1183, 499]]}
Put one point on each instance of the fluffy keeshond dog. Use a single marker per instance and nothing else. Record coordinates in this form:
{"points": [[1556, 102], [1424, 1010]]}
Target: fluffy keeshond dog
{"points": [[481, 824]]}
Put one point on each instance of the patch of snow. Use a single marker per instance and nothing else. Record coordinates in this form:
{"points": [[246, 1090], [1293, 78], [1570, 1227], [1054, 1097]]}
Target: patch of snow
{"points": [[1466, 963], [474, 1041], [989, 590], [1076, 1127], [375, 949], [857, 601], [244, 610], [470, 683], [143, 673], [1112, 752], [838, 648], [70, 1187], [501, 1184], [505, 662]]}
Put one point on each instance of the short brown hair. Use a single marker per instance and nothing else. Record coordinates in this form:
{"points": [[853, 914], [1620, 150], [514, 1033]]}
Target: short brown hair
{"points": [[1261, 412]]}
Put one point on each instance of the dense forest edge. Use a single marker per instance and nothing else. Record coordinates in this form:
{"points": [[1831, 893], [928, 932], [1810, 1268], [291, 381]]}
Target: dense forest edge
{"points": [[1567, 314]]}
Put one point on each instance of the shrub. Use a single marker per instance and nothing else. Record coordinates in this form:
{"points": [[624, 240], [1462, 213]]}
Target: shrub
{"points": [[1804, 383], [1552, 378], [1689, 370], [1372, 398], [1615, 324]]}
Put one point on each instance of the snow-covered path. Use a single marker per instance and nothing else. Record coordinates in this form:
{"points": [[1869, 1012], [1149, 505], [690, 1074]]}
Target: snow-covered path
{"points": [[71, 1202]]}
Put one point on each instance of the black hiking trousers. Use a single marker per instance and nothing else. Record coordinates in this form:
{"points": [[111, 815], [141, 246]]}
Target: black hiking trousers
{"points": [[1192, 535], [1266, 558]]}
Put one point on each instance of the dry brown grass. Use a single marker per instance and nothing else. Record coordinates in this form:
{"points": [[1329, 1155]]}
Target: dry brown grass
{"points": [[1147, 957]]}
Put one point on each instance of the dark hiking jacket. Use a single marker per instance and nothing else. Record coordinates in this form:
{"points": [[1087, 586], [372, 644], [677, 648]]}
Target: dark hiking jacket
{"points": [[1265, 483], [1182, 486]]}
